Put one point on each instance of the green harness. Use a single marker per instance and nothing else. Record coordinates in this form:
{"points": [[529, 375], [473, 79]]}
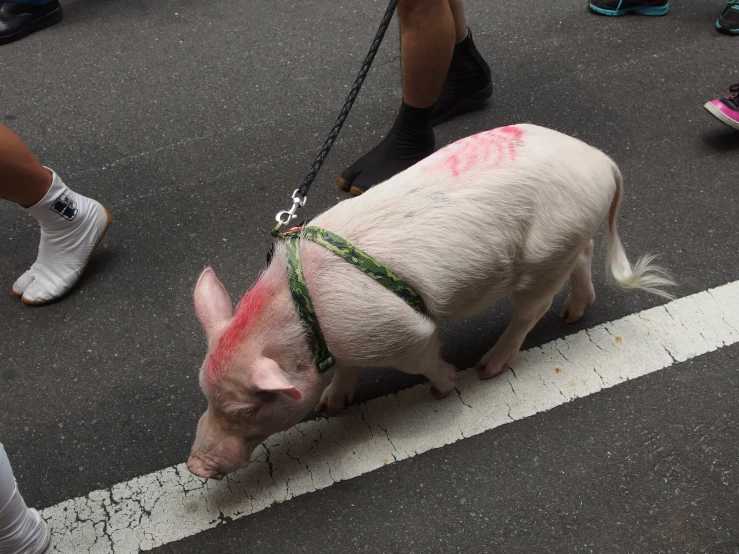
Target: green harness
{"points": [[361, 260]]}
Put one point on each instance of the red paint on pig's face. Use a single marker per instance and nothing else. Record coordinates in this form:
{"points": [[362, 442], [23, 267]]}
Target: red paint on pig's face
{"points": [[489, 149], [247, 313], [245, 410]]}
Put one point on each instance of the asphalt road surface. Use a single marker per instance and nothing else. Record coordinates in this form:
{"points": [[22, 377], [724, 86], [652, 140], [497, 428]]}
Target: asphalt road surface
{"points": [[192, 122]]}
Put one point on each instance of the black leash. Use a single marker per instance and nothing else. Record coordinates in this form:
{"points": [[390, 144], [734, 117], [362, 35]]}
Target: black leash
{"points": [[301, 193]]}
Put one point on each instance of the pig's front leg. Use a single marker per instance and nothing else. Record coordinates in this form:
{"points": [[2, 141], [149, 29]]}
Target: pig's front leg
{"points": [[339, 392], [528, 308], [443, 378], [428, 362]]}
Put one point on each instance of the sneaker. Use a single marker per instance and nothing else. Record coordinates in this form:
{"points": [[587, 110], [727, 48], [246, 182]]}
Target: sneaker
{"points": [[728, 21], [19, 20], [622, 7], [726, 110]]}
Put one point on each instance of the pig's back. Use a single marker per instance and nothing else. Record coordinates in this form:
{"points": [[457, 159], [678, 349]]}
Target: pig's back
{"points": [[474, 217]]}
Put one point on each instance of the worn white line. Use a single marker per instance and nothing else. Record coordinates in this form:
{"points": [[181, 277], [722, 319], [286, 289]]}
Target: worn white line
{"points": [[170, 504]]}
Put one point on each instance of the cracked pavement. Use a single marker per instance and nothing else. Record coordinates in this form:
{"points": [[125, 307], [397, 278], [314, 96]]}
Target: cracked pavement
{"points": [[172, 504], [192, 123]]}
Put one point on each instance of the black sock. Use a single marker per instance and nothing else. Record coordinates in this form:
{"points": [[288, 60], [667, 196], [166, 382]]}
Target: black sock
{"points": [[410, 140], [413, 130], [468, 81], [467, 64]]}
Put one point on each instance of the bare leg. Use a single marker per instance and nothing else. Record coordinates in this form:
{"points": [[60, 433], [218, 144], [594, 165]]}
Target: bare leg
{"points": [[427, 37], [528, 308], [339, 392], [583, 292], [23, 179], [460, 25]]}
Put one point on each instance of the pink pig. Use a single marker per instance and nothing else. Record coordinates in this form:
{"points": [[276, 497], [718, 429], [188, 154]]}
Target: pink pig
{"points": [[510, 211]]}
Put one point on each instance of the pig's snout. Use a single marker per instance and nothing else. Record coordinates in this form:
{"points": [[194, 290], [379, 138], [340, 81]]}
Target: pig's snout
{"points": [[200, 468]]}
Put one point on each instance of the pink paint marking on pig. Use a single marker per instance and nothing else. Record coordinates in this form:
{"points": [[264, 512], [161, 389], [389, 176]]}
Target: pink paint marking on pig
{"points": [[514, 139], [452, 163], [519, 228], [490, 148], [248, 311]]}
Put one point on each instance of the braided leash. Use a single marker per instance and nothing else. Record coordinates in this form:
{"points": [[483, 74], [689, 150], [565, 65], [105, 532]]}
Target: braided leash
{"points": [[300, 195]]}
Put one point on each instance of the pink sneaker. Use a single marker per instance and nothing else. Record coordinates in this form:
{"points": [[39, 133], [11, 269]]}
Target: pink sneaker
{"points": [[726, 110]]}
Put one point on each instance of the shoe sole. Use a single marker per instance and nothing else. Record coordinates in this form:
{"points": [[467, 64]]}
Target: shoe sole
{"points": [[108, 221], [471, 101], [346, 187], [726, 30], [639, 10], [42, 22], [722, 117]]}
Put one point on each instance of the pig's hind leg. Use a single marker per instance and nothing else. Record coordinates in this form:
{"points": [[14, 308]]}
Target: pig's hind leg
{"points": [[339, 392], [582, 295], [530, 305], [528, 308]]}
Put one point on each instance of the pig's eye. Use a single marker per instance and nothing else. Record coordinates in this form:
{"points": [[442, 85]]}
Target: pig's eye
{"points": [[244, 413]]}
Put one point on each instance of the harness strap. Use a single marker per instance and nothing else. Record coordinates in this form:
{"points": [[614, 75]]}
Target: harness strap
{"points": [[353, 255], [366, 263], [303, 304]]}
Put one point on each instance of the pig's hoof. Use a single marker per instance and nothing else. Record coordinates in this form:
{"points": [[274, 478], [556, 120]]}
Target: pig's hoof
{"points": [[575, 306], [485, 374], [495, 361], [332, 405], [440, 395], [490, 370], [328, 410]]}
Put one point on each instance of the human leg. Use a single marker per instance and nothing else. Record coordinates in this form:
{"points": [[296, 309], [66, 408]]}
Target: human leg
{"points": [[72, 225], [22, 530]]}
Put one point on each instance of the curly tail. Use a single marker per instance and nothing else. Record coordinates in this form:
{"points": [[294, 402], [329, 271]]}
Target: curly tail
{"points": [[643, 275]]}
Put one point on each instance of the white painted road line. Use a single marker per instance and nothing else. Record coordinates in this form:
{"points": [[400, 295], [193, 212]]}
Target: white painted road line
{"points": [[170, 504]]}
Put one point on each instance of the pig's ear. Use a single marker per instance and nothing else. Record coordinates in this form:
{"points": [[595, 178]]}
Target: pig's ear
{"points": [[212, 302], [267, 375]]}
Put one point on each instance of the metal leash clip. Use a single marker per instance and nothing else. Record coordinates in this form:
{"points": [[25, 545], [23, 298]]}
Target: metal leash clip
{"points": [[284, 217], [299, 198]]}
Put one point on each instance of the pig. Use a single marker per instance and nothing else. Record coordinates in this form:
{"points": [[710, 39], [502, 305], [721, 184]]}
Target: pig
{"points": [[510, 211]]}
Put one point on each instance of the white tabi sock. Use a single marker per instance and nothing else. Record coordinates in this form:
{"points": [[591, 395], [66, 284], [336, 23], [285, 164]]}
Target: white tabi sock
{"points": [[22, 531], [72, 225]]}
